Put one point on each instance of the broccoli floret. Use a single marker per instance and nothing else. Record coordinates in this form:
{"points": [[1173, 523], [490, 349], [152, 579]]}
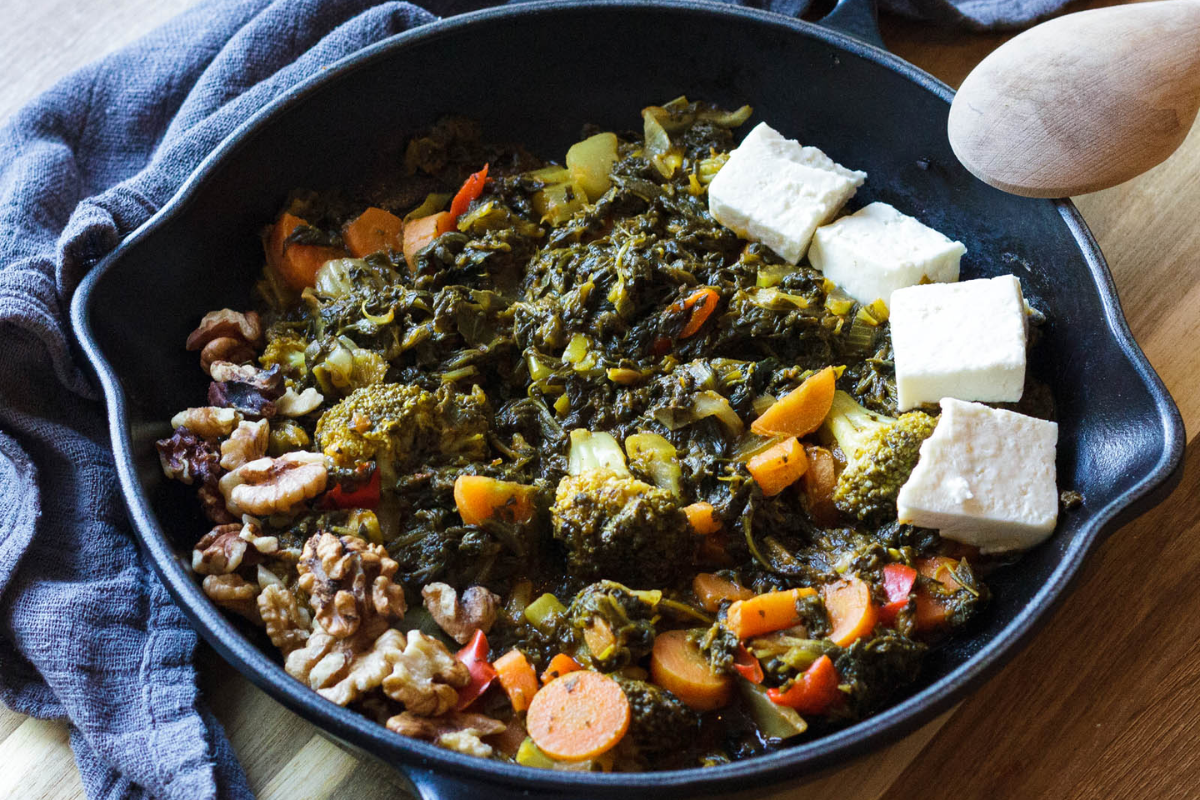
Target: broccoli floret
{"points": [[616, 622], [658, 720], [880, 454], [286, 350], [613, 524], [876, 668], [398, 425], [392, 423]]}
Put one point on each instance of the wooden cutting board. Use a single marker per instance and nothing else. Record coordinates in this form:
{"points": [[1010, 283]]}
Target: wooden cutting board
{"points": [[1104, 701]]}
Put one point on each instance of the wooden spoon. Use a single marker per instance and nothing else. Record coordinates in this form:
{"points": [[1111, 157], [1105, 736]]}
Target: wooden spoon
{"points": [[1081, 102]]}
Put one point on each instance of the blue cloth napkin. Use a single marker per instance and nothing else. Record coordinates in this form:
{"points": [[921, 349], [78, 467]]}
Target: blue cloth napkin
{"points": [[87, 632]]}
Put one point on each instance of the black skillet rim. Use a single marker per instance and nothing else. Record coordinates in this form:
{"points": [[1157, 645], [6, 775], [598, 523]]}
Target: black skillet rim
{"points": [[805, 759]]}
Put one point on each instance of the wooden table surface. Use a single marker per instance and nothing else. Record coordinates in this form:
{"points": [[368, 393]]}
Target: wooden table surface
{"points": [[1103, 703]]}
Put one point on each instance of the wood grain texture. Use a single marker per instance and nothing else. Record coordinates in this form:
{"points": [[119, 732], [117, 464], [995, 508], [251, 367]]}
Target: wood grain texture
{"points": [[1102, 703]]}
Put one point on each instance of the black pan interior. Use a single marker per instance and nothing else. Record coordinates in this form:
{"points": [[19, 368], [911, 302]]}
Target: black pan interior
{"points": [[535, 77]]}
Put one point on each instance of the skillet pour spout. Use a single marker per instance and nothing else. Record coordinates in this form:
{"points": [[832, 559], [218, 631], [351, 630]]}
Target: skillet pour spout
{"points": [[1121, 437]]}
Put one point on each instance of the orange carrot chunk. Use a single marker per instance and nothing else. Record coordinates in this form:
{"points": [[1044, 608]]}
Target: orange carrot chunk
{"points": [[702, 303], [820, 479], [373, 231], [814, 692], [712, 590], [800, 411], [933, 610], [418, 233], [517, 677], [779, 466], [479, 498], [851, 611], [578, 717], [560, 665], [297, 264], [677, 665], [764, 613], [702, 519]]}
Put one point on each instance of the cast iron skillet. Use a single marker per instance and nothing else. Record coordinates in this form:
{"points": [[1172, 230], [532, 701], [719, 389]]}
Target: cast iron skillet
{"points": [[533, 74]]}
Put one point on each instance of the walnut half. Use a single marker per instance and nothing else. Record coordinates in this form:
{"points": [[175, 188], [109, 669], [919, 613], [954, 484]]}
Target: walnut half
{"points": [[414, 669], [247, 442], [460, 619], [286, 622], [268, 486], [349, 584], [458, 730]]}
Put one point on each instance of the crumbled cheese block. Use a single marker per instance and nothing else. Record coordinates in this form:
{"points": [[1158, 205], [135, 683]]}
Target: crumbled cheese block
{"points": [[985, 477], [773, 190], [877, 250], [964, 340]]}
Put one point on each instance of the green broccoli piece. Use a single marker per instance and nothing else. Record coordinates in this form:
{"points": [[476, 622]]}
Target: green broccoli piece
{"points": [[880, 452], [617, 623], [658, 720], [389, 422], [613, 524], [286, 350], [399, 425], [876, 669]]}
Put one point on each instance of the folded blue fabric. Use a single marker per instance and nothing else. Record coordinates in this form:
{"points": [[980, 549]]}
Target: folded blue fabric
{"points": [[87, 633]]}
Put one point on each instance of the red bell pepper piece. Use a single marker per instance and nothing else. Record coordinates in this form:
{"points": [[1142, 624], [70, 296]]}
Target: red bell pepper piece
{"points": [[747, 665], [814, 692], [366, 496], [898, 582], [474, 655], [472, 187]]}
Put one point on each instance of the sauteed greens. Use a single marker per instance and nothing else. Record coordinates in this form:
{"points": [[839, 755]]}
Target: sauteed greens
{"points": [[511, 439]]}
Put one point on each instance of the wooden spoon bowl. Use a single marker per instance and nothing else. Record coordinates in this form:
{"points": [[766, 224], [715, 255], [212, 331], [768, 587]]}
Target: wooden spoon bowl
{"points": [[1082, 102]]}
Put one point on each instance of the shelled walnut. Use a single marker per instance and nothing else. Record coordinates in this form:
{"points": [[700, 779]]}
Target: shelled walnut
{"points": [[349, 584]]}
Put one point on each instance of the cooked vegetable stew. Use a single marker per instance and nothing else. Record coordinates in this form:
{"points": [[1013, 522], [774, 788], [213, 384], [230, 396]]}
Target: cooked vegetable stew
{"points": [[544, 464]]}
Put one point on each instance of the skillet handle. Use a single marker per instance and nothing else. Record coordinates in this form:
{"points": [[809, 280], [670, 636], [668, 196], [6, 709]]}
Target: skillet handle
{"points": [[857, 18], [429, 784]]}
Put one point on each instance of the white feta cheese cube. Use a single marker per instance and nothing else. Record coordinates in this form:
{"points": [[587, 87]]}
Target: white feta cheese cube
{"points": [[877, 250], [986, 478], [773, 190], [964, 340]]}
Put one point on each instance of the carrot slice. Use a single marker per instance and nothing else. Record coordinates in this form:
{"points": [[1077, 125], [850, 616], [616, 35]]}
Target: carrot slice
{"points": [[517, 677], [800, 411], [933, 611], [851, 611], [702, 519], [779, 466], [560, 665], [420, 232], [820, 479], [297, 264], [814, 692], [578, 716], [471, 189], [479, 498], [702, 302], [677, 665], [763, 613], [374, 230], [599, 638], [712, 590]]}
